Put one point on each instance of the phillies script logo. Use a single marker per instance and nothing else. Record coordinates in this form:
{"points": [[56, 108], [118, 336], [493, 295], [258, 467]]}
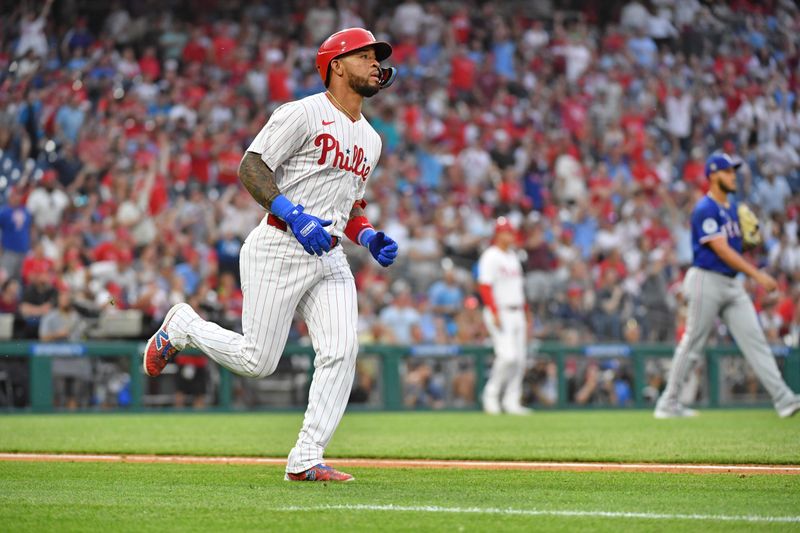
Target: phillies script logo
{"points": [[357, 164]]}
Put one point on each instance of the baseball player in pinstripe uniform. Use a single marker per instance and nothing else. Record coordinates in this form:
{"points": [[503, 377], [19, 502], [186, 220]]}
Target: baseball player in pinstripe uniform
{"points": [[713, 290], [501, 289], [313, 156]]}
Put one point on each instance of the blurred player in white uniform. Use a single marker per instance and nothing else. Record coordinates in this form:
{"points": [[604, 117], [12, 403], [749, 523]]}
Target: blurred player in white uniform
{"points": [[308, 167], [500, 282]]}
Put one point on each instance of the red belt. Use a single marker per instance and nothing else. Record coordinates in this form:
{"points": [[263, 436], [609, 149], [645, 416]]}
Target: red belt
{"points": [[275, 222]]}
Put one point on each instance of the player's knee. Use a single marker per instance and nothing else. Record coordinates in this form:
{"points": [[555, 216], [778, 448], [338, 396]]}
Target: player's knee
{"points": [[258, 371], [250, 372], [350, 351], [345, 352], [267, 369], [260, 366]]}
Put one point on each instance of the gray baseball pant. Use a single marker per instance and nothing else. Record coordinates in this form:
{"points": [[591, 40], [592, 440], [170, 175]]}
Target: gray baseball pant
{"points": [[711, 295]]}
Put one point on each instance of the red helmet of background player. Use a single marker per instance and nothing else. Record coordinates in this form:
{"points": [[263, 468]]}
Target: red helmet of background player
{"points": [[345, 41], [503, 224]]}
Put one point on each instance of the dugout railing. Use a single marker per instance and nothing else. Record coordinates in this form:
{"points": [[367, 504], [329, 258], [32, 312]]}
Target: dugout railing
{"points": [[38, 359]]}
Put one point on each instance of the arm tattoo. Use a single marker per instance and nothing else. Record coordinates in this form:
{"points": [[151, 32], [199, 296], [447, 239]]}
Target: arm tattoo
{"points": [[258, 179]]}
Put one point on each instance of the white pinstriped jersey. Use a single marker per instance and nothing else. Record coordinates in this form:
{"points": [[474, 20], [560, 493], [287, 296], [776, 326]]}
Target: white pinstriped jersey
{"points": [[321, 158], [503, 272]]}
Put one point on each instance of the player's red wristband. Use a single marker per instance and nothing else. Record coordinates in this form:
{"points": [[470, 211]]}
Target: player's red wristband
{"points": [[486, 295], [355, 226]]}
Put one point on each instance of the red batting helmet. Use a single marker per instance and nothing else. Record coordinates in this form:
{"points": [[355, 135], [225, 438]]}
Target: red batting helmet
{"points": [[345, 41]]}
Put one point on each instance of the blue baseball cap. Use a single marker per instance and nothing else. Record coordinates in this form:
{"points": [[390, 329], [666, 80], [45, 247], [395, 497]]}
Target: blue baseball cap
{"points": [[720, 161]]}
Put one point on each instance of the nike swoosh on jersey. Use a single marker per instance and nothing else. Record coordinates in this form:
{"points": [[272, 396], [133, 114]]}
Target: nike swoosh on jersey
{"points": [[326, 123]]}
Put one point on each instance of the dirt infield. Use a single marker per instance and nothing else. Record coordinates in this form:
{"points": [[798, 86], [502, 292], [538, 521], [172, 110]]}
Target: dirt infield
{"points": [[418, 463]]}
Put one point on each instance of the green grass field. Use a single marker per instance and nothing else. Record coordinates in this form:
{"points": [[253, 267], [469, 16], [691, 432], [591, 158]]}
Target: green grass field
{"points": [[174, 497], [745, 436]]}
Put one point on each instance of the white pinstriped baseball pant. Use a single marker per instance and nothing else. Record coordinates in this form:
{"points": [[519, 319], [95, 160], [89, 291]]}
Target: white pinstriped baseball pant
{"points": [[279, 277], [508, 370]]}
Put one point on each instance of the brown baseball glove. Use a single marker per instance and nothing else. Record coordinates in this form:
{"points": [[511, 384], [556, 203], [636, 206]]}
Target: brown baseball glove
{"points": [[748, 223]]}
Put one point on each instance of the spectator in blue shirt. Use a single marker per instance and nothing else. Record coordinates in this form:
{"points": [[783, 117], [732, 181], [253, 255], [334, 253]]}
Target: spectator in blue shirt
{"points": [[584, 233], [15, 225], [402, 318], [504, 51], [430, 166], [69, 118], [644, 50], [447, 298], [190, 272], [228, 247], [78, 37]]}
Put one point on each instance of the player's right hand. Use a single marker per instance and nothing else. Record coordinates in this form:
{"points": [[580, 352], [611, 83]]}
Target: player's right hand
{"points": [[765, 280], [309, 231]]}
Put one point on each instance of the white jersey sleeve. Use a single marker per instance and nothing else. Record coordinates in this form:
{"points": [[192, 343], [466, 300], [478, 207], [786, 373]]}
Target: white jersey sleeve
{"points": [[285, 133], [487, 267]]}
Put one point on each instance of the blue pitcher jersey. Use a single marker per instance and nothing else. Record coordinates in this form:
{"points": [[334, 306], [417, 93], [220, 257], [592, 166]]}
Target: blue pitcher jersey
{"points": [[709, 221]]}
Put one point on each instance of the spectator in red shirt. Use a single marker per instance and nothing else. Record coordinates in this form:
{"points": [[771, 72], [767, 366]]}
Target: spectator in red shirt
{"points": [[230, 298], [787, 308], [694, 173], [229, 156], [574, 115], [460, 25], [199, 148], [223, 45], [462, 72], [196, 50], [35, 263], [149, 64], [279, 82]]}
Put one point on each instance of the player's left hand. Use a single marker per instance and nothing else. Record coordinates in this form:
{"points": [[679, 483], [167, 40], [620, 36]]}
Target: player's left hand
{"points": [[748, 224], [382, 247]]}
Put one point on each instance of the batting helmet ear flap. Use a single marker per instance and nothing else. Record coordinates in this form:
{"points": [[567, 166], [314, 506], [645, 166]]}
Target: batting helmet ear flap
{"points": [[388, 76]]}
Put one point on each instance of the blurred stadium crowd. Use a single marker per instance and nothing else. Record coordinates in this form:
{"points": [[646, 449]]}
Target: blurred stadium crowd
{"points": [[122, 127]]}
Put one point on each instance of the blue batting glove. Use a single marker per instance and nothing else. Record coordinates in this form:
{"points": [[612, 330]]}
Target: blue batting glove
{"points": [[307, 229], [381, 246]]}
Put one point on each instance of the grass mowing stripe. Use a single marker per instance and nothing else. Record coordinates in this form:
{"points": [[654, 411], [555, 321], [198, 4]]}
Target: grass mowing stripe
{"points": [[536, 512], [410, 463], [197, 498], [717, 437]]}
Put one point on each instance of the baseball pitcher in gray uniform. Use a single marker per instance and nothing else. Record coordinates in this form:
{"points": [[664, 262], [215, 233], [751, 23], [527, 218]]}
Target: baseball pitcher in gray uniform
{"points": [[313, 156], [713, 290]]}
